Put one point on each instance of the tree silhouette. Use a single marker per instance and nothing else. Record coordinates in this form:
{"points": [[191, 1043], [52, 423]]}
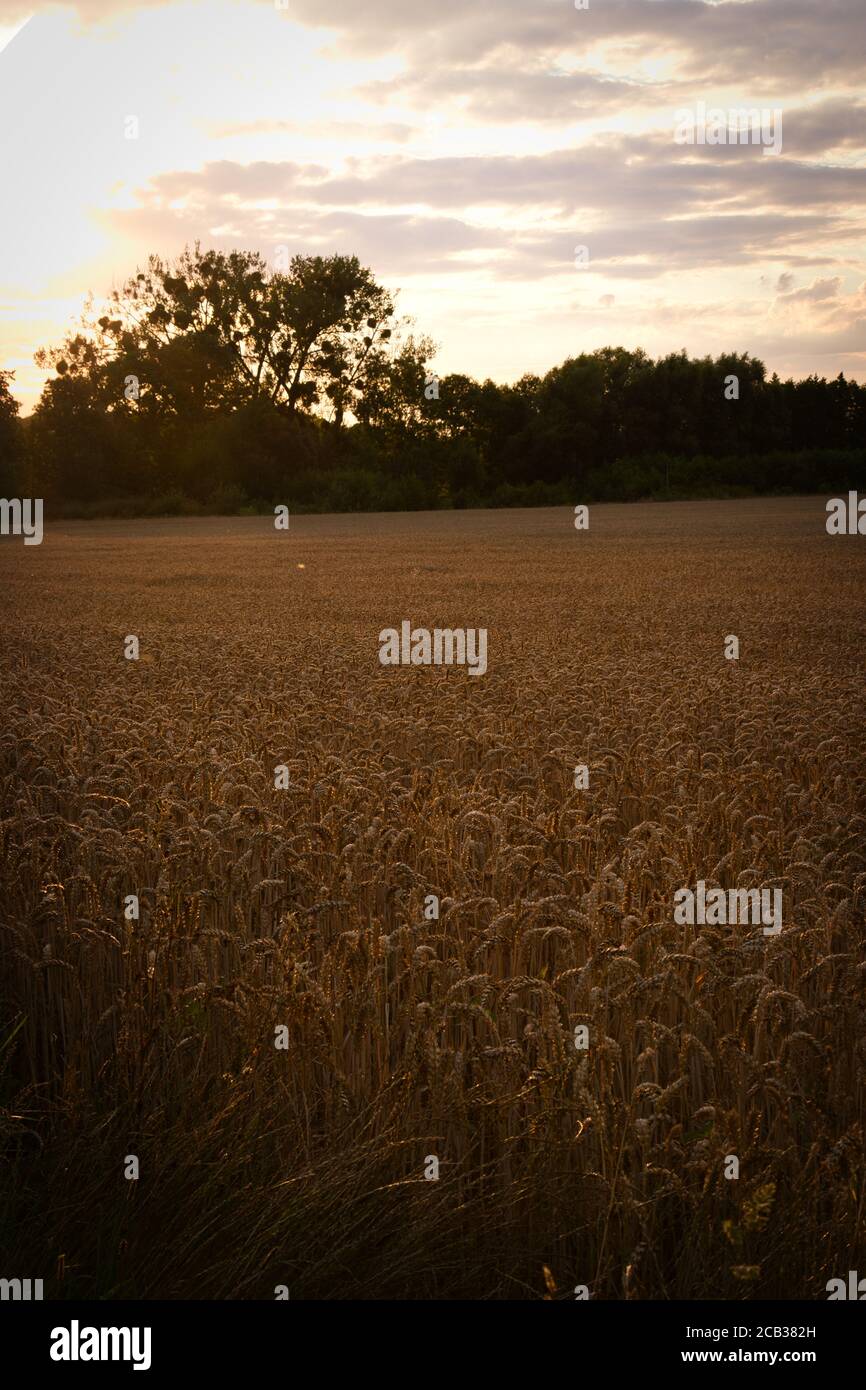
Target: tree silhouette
{"points": [[213, 331], [10, 438]]}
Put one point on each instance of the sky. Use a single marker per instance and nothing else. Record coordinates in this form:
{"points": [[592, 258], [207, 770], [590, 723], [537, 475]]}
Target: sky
{"points": [[463, 150]]}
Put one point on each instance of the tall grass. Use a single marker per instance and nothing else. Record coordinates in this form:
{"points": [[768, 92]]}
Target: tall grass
{"points": [[455, 1037]]}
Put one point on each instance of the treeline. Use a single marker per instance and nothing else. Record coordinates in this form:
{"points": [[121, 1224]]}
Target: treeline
{"points": [[215, 384]]}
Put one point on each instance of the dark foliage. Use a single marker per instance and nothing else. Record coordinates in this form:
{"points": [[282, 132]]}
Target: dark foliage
{"points": [[216, 385]]}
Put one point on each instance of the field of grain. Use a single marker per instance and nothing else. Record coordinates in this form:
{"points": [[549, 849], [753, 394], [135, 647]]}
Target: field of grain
{"points": [[409, 1037]]}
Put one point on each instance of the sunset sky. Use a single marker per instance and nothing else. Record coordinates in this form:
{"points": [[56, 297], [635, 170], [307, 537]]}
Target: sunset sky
{"points": [[462, 150]]}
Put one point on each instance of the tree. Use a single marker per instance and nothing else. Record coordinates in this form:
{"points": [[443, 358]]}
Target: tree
{"points": [[392, 399], [10, 438], [214, 331], [331, 317], [211, 380], [83, 452]]}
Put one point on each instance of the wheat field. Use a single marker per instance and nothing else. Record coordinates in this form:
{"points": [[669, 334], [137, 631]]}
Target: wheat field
{"points": [[411, 1037]]}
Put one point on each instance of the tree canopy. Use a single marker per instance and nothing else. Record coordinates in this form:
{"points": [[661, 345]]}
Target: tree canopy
{"points": [[215, 331]]}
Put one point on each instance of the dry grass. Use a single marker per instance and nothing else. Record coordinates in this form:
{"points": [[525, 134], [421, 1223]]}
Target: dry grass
{"points": [[304, 907]]}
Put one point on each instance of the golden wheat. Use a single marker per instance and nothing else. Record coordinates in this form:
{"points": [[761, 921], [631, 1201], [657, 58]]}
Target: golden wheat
{"points": [[306, 907]]}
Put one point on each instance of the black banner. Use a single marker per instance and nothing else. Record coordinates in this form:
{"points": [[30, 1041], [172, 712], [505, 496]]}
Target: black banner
{"points": [[224, 1339]]}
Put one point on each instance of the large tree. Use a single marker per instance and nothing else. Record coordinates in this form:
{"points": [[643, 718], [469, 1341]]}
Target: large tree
{"points": [[212, 331]]}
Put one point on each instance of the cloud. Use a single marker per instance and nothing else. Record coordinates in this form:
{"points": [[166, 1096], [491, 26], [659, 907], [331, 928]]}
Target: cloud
{"points": [[819, 290], [644, 207], [765, 42], [823, 320], [509, 94], [393, 243], [837, 124], [642, 176]]}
